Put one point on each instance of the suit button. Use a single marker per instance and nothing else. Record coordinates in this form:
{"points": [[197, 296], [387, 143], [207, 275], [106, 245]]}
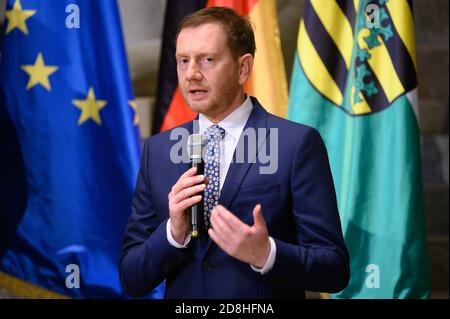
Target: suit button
{"points": [[206, 266]]}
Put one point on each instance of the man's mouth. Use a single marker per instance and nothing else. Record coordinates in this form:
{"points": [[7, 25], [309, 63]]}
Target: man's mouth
{"points": [[197, 94], [197, 91]]}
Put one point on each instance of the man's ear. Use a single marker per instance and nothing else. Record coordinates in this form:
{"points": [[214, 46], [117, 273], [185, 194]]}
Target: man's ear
{"points": [[245, 67]]}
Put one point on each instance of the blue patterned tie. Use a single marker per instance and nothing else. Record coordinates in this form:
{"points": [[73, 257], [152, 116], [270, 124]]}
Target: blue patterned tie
{"points": [[213, 135]]}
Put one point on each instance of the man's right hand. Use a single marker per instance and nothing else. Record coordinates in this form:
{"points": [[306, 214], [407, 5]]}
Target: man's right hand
{"points": [[181, 198]]}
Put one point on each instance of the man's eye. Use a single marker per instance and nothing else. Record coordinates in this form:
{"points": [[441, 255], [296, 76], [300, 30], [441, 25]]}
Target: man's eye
{"points": [[207, 61], [182, 61]]}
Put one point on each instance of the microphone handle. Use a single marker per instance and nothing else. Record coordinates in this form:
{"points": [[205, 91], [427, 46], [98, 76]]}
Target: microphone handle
{"points": [[196, 211]]}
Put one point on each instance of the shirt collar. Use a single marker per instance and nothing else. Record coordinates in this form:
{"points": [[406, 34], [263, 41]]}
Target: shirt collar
{"points": [[234, 123]]}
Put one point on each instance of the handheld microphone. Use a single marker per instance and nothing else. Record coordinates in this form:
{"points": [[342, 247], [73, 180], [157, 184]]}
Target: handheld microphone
{"points": [[196, 143]]}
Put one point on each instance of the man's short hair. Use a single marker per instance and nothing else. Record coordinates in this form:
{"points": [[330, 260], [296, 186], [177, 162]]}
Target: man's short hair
{"points": [[239, 31]]}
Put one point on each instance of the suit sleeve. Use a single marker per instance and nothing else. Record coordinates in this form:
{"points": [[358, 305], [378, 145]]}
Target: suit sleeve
{"points": [[319, 260], [146, 258]]}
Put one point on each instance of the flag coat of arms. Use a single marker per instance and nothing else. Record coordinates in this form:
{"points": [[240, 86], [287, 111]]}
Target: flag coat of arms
{"points": [[354, 79]]}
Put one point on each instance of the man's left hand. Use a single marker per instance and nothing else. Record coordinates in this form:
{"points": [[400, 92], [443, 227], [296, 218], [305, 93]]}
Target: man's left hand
{"points": [[249, 244]]}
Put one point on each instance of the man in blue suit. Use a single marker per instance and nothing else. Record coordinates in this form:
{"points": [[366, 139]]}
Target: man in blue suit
{"points": [[274, 230]]}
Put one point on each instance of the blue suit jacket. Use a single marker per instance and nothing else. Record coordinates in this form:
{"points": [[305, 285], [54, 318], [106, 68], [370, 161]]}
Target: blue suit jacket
{"points": [[298, 204]]}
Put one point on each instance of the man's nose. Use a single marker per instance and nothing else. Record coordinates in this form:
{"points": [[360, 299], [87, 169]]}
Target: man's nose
{"points": [[193, 71]]}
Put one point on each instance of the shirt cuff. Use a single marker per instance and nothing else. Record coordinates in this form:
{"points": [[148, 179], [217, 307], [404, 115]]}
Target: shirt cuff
{"points": [[172, 241], [270, 260]]}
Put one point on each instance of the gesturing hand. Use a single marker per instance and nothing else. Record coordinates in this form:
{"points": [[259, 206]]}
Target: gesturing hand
{"points": [[249, 244]]}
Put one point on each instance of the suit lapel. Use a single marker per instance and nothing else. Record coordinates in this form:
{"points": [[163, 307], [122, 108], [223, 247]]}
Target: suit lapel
{"points": [[238, 171], [184, 165]]}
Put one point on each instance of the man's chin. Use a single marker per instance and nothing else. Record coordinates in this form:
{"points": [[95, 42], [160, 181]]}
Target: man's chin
{"points": [[198, 107]]}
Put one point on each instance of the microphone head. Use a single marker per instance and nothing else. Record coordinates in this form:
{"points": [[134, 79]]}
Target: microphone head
{"points": [[195, 145]]}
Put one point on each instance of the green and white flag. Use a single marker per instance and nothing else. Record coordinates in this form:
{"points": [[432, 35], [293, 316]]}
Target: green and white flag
{"points": [[354, 80]]}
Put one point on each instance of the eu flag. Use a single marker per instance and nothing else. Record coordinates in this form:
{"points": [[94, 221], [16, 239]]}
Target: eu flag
{"points": [[69, 148]]}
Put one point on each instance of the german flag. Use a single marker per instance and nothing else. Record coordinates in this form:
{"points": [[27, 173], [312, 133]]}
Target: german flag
{"points": [[268, 80], [354, 80], [170, 109]]}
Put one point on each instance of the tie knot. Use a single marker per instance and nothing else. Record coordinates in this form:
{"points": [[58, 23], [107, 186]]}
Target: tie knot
{"points": [[214, 133]]}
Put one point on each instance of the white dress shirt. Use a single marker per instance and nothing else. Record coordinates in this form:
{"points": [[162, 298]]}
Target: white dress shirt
{"points": [[233, 125]]}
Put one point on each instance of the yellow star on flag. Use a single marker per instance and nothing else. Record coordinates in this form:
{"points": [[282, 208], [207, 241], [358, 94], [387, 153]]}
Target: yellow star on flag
{"points": [[134, 106], [39, 73], [90, 108], [17, 17]]}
